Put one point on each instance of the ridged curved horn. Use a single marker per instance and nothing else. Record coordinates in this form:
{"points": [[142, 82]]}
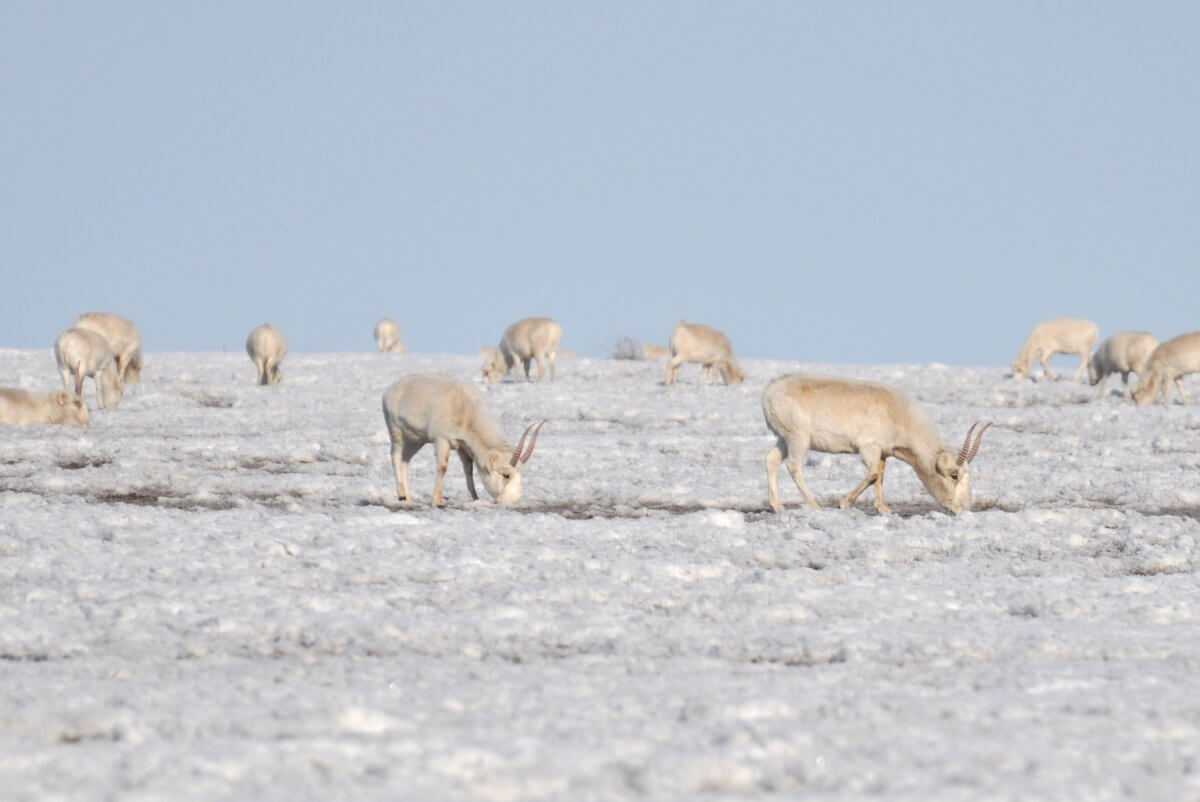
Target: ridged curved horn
{"points": [[962, 455], [978, 439], [516, 455], [532, 442]]}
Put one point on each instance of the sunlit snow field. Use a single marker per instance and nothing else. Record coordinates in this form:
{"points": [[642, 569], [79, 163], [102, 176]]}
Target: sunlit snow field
{"points": [[214, 592]]}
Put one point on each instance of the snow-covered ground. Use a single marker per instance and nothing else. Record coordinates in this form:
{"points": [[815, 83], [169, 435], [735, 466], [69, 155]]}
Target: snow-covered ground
{"points": [[213, 593]]}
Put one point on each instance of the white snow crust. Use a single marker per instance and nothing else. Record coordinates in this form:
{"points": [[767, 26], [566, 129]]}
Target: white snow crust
{"points": [[214, 593]]}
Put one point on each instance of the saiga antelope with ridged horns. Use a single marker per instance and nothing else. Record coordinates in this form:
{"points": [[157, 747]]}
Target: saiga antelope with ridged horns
{"points": [[845, 416], [453, 416]]}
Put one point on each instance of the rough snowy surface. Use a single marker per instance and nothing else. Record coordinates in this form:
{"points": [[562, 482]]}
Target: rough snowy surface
{"points": [[214, 593]]}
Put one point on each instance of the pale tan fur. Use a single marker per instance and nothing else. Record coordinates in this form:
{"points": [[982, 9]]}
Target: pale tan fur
{"points": [[1064, 335], [454, 417], [25, 408], [267, 347], [695, 342], [388, 336], [1170, 362], [81, 353], [845, 416], [651, 352], [1124, 353], [124, 340], [534, 338]]}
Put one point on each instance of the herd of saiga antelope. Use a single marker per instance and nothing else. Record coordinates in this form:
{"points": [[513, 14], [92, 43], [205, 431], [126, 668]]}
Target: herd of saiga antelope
{"points": [[818, 413]]}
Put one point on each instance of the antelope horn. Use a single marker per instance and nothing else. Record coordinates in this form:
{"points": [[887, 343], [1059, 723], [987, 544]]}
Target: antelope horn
{"points": [[978, 438], [962, 455], [532, 442], [520, 444]]}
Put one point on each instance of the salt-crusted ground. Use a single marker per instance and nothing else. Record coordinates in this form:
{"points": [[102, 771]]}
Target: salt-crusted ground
{"points": [[213, 593]]}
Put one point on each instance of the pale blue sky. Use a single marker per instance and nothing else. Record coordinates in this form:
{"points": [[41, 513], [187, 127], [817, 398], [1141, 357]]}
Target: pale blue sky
{"points": [[834, 181]]}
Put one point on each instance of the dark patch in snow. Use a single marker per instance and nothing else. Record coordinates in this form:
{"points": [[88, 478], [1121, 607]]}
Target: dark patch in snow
{"points": [[83, 462]]}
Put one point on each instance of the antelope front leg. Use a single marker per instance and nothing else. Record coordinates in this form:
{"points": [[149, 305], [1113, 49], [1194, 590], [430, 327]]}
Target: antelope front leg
{"points": [[881, 505], [1049, 374], [1178, 389], [672, 368], [795, 465], [1081, 373], [871, 459], [442, 451], [469, 470]]}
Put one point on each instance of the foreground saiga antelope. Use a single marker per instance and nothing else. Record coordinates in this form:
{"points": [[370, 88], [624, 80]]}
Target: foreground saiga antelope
{"points": [[453, 416], [388, 336], [81, 353], [695, 342], [1124, 353], [524, 341], [267, 348], [844, 416], [1064, 335], [25, 408], [1170, 361], [124, 340]]}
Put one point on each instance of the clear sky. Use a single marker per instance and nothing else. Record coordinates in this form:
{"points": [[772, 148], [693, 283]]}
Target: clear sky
{"points": [[824, 181]]}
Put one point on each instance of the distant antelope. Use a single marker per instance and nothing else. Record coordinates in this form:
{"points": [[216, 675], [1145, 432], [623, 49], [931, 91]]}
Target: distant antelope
{"points": [[81, 353], [1170, 361], [695, 342], [267, 348], [124, 340], [534, 338], [388, 336], [1122, 353], [1064, 335]]}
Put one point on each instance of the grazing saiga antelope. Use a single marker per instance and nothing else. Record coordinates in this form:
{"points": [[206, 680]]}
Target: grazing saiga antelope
{"points": [[81, 353], [1124, 353], [1170, 361], [124, 340], [695, 342], [1064, 335], [267, 348], [846, 416], [453, 416], [534, 338]]}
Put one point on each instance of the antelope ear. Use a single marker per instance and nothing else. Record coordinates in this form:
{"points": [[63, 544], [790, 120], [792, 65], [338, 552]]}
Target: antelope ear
{"points": [[946, 465]]}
